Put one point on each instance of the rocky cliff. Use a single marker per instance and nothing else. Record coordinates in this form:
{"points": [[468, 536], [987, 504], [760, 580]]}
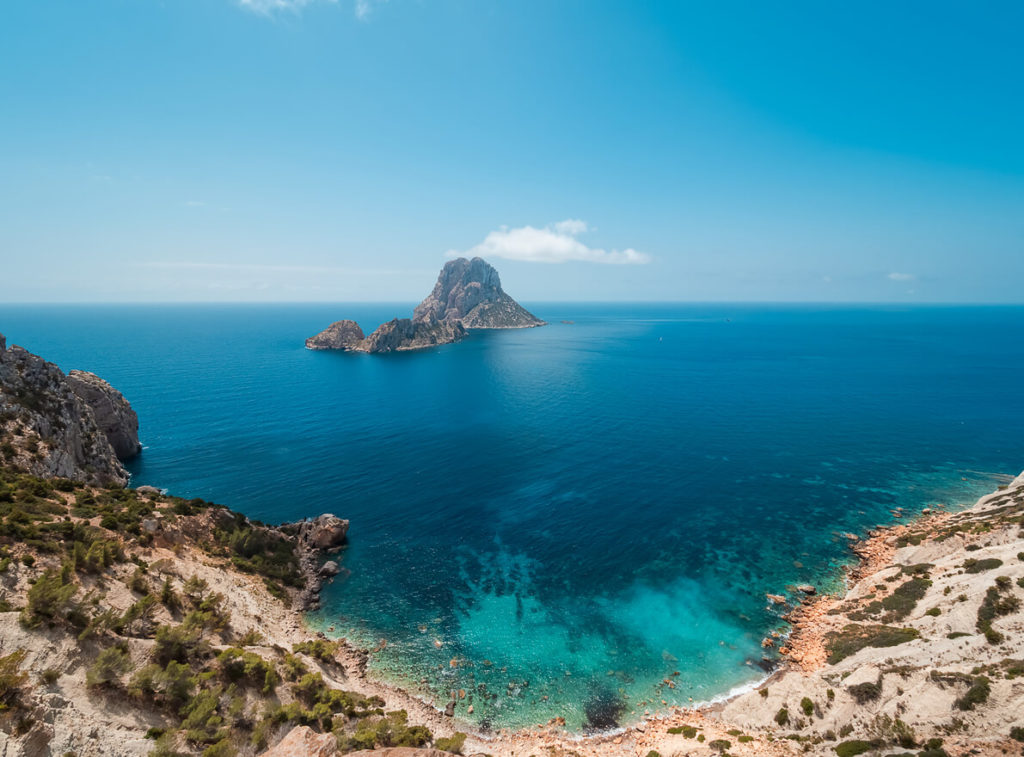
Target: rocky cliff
{"points": [[111, 412], [340, 335], [55, 426], [470, 291], [467, 295], [402, 334]]}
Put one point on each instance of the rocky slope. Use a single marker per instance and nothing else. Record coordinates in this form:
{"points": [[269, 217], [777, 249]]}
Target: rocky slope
{"points": [[340, 335], [470, 291], [56, 425], [402, 334], [467, 295]]}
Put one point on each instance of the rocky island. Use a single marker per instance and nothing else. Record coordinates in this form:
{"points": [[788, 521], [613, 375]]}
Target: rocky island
{"points": [[467, 295]]}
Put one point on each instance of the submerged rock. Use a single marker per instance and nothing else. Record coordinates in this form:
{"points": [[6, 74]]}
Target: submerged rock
{"points": [[603, 709]]}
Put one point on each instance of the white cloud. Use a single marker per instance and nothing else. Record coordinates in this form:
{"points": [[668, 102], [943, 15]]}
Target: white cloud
{"points": [[554, 243], [364, 7], [267, 7], [361, 8], [901, 277]]}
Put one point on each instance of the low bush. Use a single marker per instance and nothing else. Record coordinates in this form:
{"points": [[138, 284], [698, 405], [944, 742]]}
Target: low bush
{"points": [[457, 740], [853, 748], [865, 692]]}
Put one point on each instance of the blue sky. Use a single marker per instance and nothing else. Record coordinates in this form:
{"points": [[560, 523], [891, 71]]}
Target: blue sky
{"points": [[275, 150]]}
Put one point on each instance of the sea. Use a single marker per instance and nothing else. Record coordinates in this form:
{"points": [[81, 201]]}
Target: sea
{"points": [[579, 521]]}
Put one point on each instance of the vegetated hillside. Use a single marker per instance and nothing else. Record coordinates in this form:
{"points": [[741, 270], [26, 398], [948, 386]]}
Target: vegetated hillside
{"points": [[136, 623]]}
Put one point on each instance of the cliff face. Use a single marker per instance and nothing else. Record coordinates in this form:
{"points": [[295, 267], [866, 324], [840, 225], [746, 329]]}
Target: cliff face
{"points": [[48, 429], [470, 291], [467, 295], [111, 412]]}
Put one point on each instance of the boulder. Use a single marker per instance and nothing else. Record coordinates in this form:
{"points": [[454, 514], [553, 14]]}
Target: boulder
{"points": [[303, 741], [329, 568], [323, 533]]}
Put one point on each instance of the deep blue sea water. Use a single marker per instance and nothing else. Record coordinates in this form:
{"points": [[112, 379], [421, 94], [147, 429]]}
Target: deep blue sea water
{"points": [[556, 520]]}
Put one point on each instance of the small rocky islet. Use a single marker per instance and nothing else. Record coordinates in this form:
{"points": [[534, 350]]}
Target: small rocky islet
{"points": [[467, 295]]}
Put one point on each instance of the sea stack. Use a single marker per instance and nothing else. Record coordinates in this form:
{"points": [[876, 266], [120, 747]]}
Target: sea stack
{"points": [[467, 295], [469, 291]]}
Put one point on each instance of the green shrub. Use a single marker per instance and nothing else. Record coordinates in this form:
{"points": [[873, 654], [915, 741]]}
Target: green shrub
{"points": [[49, 599], [807, 706], [1017, 732], [49, 676], [321, 649], [12, 678], [853, 748], [782, 716], [455, 742], [854, 638], [719, 745], [995, 604], [977, 566], [977, 694], [111, 664], [688, 731], [865, 692]]}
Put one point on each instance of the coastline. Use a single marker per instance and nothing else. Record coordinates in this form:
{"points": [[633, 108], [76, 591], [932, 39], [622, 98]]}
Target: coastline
{"points": [[803, 651]]}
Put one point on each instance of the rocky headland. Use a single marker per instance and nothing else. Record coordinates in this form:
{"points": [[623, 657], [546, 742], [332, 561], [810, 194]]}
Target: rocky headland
{"points": [[72, 426], [467, 295]]}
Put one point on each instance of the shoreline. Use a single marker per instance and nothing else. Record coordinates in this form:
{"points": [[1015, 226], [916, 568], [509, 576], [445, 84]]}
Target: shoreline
{"points": [[802, 651]]}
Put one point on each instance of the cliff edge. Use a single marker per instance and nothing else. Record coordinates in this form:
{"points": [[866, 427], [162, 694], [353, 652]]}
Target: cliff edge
{"points": [[53, 425]]}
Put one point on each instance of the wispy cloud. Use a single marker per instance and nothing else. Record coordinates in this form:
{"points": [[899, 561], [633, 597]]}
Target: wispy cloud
{"points": [[361, 8], [901, 277], [554, 243]]}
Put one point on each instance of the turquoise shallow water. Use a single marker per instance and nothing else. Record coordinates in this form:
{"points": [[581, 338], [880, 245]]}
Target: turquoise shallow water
{"points": [[557, 520]]}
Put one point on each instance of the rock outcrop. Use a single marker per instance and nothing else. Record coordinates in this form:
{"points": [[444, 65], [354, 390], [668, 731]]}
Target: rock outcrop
{"points": [[47, 429], [111, 411], [467, 295], [340, 335], [402, 334], [324, 533], [470, 291]]}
